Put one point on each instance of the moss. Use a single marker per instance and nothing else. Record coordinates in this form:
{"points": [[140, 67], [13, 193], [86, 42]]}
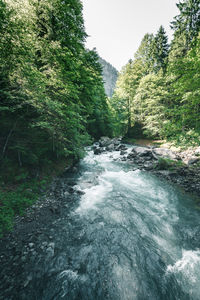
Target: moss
{"points": [[14, 200]]}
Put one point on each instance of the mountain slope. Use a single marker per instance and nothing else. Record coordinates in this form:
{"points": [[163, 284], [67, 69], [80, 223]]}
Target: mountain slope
{"points": [[110, 75]]}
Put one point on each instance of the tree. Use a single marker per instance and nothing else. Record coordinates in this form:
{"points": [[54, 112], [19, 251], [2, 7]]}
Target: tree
{"points": [[188, 21], [151, 103], [46, 76], [160, 48]]}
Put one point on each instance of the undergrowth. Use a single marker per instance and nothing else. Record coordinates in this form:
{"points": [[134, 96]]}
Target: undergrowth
{"points": [[15, 199], [21, 187], [168, 164]]}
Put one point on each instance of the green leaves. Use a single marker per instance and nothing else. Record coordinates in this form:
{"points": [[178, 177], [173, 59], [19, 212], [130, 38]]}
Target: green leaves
{"points": [[160, 88], [49, 82]]}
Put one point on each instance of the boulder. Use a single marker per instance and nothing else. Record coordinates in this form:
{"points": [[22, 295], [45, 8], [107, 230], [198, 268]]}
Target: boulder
{"points": [[142, 151], [165, 153], [121, 147], [116, 141], [105, 141], [148, 166], [110, 147], [123, 152], [98, 151]]}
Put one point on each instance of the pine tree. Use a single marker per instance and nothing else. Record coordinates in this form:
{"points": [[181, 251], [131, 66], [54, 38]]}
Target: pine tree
{"points": [[188, 21], [160, 49]]}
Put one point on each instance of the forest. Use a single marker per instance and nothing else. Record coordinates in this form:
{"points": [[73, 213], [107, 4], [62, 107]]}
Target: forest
{"points": [[51, 88], [52, 97], [158, 91]]}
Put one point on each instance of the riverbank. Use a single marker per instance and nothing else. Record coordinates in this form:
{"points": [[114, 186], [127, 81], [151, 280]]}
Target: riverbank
{"points": [[181, 167], [23, 189], [32, 237]]}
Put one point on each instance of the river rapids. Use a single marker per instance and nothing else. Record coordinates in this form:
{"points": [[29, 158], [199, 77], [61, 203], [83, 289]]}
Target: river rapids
{"points": [[130, 236]]}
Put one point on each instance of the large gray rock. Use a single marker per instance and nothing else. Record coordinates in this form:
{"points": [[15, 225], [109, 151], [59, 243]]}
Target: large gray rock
{"points": [[105, 141], [121, 147], [110, 147], [165, 153], [142, 151]]}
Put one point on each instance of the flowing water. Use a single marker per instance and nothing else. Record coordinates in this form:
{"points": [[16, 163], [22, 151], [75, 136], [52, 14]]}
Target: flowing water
{"points": [[131, 236]]}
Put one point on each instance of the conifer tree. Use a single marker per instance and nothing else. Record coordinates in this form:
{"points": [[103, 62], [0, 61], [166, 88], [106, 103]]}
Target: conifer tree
{"points": [[188, 20], [160, 49]]}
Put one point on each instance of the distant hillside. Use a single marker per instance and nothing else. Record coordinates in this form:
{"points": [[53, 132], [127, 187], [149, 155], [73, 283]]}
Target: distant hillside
{"points": [[110, 75]]}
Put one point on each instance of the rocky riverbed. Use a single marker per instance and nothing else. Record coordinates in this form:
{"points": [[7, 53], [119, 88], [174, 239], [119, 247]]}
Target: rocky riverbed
{"points": [[179, 167], [33, 235]]}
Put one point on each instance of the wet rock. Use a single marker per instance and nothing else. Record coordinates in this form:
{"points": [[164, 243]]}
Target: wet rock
{"points": [[98, 151], [121, 147], [77, 189], [142, 152], [131, 156], [110, 147], [71, 190], [123, 158], [123, 152], [80, 192], [105, 141], [148, 166]]}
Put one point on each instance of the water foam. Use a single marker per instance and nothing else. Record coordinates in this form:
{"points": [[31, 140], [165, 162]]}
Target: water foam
{"points": [[69, 274], [187, 272], [94, 195], [188, 264]]}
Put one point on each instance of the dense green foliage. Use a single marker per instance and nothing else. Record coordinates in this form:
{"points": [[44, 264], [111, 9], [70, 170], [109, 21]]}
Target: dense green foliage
{"points": [[52, 99], [51, 89], [160, 88]]}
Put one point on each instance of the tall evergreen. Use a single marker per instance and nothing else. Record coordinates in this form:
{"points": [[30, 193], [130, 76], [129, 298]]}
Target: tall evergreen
{"points": [[188, 20], [160, 50]]}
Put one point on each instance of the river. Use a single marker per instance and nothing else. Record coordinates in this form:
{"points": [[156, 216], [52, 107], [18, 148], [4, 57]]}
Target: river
{"points": [[129, 236]]}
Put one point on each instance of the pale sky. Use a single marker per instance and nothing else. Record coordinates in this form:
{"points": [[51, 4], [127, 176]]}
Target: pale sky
{"points": [[116, 27]]}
